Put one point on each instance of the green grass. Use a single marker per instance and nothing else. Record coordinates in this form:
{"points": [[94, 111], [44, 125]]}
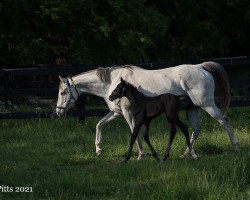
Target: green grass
{"points": [[57, 159]]}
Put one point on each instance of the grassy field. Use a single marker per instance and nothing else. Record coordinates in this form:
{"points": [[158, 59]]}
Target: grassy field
{"points": [[57, 159]]}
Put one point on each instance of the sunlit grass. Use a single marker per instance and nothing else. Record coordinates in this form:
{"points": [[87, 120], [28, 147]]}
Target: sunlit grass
{"points": [[57, 158]]}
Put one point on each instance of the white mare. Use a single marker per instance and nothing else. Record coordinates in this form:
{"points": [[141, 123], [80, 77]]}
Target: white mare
{"points": [[196, 81]]}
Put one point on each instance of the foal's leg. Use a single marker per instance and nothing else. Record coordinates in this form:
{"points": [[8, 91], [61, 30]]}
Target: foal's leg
{"points": [[109, 117], [146, 138], [131, 143], [216, 114], [130, 120], [171, 138], [184, 130]]}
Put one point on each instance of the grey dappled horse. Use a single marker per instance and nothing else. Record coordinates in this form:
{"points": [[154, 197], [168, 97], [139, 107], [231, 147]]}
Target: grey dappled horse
{"points": [[196, 81]]}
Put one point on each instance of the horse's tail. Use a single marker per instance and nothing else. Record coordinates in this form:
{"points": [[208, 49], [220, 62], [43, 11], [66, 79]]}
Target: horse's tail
{"points": [[220, 76]]}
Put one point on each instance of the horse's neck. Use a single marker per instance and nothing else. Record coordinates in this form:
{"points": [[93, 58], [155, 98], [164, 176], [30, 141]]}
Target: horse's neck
{"points": [[90, 83]]}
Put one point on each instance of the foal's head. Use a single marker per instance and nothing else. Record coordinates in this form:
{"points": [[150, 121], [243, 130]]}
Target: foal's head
{"points": [[121, 90]]}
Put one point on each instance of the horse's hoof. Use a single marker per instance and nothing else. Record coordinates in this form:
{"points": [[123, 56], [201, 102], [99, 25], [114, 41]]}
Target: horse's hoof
{"points": [[184, 155], [99, 152], [141, 156], [236, 149], [192, 153], [194, 157]]}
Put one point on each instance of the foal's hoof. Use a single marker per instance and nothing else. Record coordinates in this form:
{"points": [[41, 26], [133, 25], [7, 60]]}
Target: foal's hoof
{"points": [[125, 160], [157, 159], [99, 152], [165, 158]]}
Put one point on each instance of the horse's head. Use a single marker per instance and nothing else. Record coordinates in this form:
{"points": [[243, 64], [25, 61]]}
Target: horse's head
{"points": [[119, 91], [67, 96]]}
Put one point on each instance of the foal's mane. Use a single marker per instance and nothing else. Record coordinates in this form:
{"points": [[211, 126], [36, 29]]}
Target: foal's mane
{"points": [[104, 73], [132, 87]]}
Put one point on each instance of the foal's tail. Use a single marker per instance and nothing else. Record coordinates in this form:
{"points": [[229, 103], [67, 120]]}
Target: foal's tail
{"points": [[220, 76]]}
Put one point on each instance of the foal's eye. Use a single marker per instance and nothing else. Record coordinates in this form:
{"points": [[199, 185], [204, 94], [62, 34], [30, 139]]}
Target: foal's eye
{"points": [[62, 93]]}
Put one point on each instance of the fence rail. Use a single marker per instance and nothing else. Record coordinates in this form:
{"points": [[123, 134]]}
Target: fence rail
{"points": [[66, 69], [237, 83], [29, 92], [49, 114]]}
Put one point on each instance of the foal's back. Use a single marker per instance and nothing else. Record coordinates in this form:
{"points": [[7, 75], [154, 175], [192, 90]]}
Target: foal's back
{"points": [[168, 103]]}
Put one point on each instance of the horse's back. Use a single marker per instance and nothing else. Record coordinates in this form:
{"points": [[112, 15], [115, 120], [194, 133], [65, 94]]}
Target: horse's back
{"points": [[161, 81], [191, 80]]}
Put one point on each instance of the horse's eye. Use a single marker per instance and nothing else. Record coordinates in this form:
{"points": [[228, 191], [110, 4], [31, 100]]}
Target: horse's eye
{"points": [[62, 93]]}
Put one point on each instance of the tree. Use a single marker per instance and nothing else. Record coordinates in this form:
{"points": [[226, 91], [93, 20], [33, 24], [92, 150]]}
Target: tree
{"points": [[103, 31], [121, 31]]}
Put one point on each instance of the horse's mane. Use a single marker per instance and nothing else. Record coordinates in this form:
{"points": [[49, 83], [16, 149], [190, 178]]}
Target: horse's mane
{"points": [[104, 73]]}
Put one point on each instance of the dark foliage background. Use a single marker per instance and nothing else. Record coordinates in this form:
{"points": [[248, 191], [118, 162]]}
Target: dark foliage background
{"points": [[121, 31]]}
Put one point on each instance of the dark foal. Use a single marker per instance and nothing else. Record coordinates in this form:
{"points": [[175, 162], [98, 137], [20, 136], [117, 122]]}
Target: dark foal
{"points": [[147, 108]]}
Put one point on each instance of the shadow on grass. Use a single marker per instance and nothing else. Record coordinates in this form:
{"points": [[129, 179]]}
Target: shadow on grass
{"points": [[211, 149]]}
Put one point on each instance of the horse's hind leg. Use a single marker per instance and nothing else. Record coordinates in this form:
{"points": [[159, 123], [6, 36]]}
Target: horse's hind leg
{"points": [[170, 141], [184, 130], [194, 121], [146, 138], [216, 114]]}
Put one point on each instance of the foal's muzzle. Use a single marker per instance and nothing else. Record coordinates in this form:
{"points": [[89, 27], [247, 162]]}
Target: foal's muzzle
{"points": [[112, 98]]}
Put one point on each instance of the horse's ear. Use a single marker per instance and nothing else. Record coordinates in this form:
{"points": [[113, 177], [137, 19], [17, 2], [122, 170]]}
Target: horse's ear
{"points": [[61, 79]]}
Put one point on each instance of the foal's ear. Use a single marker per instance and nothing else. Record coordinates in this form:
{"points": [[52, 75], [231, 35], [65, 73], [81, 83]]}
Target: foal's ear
{"points": [[122, 80]]}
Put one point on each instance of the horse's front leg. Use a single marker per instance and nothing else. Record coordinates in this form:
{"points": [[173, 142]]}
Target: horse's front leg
{"points": [[131, 143], [109, 117], [130, 120]]}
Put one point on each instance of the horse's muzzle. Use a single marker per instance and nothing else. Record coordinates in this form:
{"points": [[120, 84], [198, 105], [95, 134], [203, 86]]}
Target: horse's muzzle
{"points": [[60, 112]]}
